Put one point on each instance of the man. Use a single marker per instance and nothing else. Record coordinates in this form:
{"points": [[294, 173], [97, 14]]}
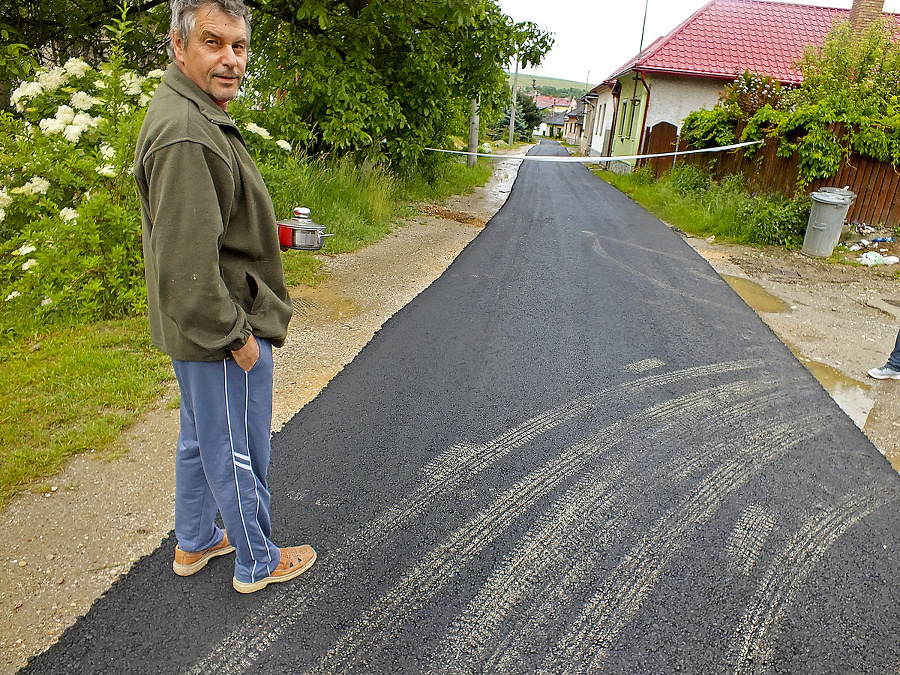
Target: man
{"points": [[216, 295]]}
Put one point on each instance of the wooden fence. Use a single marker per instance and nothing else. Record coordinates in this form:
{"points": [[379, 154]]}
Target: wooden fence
{"points": [[876, 184]]}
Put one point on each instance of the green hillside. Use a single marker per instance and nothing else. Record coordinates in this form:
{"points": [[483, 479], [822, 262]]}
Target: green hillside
{"points": [[525, 83]]}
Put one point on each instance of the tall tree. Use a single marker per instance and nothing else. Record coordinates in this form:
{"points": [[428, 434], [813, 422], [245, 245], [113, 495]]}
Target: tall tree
{"points": [[531, 114], [392, 75]]}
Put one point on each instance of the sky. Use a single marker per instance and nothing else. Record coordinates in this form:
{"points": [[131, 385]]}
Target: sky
{"points": [[595, 37]]}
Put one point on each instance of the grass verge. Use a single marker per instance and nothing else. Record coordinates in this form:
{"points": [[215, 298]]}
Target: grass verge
{"points": [[689, 199], [71, 389], [358, 203]]}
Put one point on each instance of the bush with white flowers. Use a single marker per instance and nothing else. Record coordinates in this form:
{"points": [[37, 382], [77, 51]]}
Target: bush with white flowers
{"points": [[70, 229], [263, 146], [70, 239]]}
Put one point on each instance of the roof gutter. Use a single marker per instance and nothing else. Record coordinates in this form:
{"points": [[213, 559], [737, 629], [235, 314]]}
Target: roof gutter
{"points": [[722, 77]]}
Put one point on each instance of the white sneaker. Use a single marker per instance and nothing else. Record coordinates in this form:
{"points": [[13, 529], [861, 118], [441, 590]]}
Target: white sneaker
{"points": [[885, 373]]}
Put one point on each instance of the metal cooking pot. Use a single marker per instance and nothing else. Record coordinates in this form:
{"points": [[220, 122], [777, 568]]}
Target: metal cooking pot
{"points": [[300, 232]]}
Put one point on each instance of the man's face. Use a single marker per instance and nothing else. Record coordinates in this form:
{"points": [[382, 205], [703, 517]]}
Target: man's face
{"points": [[215, 55]]}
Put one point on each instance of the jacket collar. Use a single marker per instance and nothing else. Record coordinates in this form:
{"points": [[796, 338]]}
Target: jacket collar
{"points": [[186, 87]]}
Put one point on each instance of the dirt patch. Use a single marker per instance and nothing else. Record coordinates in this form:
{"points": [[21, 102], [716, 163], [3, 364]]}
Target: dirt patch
{"points": [[451, 214], [61, 550]]}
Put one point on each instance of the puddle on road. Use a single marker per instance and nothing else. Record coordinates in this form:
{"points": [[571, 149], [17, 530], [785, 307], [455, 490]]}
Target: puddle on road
{"points": [[851, 395], [759, 299]]}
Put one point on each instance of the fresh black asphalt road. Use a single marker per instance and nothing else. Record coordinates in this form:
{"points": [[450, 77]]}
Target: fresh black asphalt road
{"points": [[578, 451]]}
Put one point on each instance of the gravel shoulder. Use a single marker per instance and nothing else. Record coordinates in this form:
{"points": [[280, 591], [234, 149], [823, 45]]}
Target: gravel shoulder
{"points": [[61, 550]]}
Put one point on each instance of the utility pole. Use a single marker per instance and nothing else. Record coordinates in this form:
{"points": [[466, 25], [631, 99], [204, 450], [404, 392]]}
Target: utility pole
{"points": [[512, 109], [474, 123], [644, 27]]}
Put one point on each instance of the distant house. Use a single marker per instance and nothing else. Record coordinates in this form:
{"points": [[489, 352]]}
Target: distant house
{"points": [[573, 131], [551, 103], [688, 68], [554, 109], [599, 107], [552, 124]]}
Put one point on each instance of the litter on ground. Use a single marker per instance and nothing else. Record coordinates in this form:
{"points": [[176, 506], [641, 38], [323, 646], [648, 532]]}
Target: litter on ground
{"points": [[871, 258]]}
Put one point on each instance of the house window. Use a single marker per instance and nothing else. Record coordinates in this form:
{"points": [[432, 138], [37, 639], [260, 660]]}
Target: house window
{"points": [[600, 119], [635, 107], [623, 117], [633, 115]]}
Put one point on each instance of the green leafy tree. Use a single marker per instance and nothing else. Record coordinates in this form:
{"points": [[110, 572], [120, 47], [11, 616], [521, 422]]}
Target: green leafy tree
{"points": [[500, 129], [389, 77], [854, 75], [852, 78], [531, 114], [528, 116], [49, 32]]}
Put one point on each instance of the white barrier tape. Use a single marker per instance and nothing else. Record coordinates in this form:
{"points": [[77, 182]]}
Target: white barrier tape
{"points": [[589, 160]]}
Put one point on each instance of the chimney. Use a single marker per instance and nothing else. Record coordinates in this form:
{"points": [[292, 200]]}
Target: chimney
{"points": [[864, 13]]}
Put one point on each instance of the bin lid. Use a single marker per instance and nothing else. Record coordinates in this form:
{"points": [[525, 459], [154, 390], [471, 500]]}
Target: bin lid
{"points": [[830, 198], [838, 191]]}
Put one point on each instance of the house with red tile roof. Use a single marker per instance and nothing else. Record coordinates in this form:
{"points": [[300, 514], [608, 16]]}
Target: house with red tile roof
{"points": [[554, 109], [688, 68], [551, 103]]}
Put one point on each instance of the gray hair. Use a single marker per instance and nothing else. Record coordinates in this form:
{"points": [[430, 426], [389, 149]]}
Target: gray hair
{"points": [[184, 13]]}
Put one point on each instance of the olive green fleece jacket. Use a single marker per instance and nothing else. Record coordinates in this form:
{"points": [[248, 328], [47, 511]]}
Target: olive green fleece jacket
{"points": [[211, 253]]}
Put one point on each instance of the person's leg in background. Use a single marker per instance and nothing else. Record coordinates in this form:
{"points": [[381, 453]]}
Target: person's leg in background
{"points": [[891, 370]]}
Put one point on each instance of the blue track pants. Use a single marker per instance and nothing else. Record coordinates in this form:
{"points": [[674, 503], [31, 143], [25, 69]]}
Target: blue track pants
{"points": [[223, 458]]}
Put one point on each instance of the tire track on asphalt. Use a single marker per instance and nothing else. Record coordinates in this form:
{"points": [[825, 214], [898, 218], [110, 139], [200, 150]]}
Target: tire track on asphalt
{"points": [[751, 644], [547, 558], [609, 610], [745, 543], [378, 626], [551, 603], [643, 366], [441, 477]]}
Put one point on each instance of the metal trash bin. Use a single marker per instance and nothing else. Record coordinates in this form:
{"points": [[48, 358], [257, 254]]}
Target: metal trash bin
{"points": [[826, 220], [844, 192]]}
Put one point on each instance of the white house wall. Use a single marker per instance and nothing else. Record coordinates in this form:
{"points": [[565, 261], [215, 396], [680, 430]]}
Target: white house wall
{"points": [[601, 124], [673, 98]]}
